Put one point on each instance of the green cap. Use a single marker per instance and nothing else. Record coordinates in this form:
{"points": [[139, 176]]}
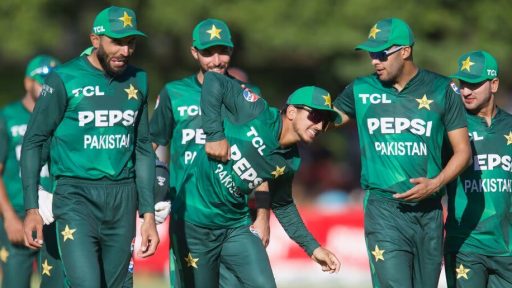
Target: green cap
{"points": [[476, 66], [116, 22], [40, 66], [211, 32], [386, 33], [313, 97]]}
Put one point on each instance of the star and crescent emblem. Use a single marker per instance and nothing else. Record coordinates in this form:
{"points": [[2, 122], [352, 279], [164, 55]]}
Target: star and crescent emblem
{"points": [[373, 32], [466, 64], [127, 20], [68, 233], [424, 102], [462, 272], [214, 32], [278, 172], [132, 92], [191, 261], [378, 254]]}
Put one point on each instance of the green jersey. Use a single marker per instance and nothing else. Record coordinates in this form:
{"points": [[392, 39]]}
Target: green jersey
{"points": [[479, 203], [13, 124], [177, 118], [98, 125], [214, 194], [401, 133]]}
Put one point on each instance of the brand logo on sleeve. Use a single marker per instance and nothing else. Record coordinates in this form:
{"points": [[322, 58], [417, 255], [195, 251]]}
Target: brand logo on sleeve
{"points": [[249, 95]]}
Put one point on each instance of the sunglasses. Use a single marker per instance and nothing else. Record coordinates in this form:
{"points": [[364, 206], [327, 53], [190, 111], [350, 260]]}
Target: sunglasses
{"points": [[384, 54], [316, 115]]}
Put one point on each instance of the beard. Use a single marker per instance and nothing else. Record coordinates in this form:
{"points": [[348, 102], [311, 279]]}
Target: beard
{"points": [[103, 59]]}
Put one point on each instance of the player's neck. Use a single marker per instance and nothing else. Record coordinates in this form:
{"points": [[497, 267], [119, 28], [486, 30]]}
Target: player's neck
{"points": [[287, 137], [28, 102], [489, 111], [93, 59], [407, 74]]}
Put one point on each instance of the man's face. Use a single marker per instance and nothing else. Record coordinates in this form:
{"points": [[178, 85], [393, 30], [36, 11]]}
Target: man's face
{"points": [[114, 54], [215, 58], [477, 96], [388, 63], [33, 88], [309, 122]]}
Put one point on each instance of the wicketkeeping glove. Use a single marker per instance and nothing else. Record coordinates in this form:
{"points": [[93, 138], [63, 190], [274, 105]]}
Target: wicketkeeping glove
{"points": [[45, 200]]}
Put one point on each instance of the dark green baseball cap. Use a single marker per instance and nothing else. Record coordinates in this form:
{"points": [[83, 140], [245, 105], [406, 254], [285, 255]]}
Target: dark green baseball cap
{"points": [[386, 33], [40, 66], [116, 22], [476, 66], [211, 32], [315, 98]]}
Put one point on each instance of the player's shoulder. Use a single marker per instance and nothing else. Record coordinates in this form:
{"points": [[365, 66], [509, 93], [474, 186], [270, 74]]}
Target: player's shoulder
{"points": [[427, 75], [505, 115], [186, 82]]}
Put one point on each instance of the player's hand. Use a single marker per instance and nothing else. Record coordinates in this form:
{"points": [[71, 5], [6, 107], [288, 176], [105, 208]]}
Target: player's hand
{"points": [[45, 200], [14, 228], [33, 223], [423, 188], [261, 226], [326, 259], [149, 236], [162, 210], [218, 150]]}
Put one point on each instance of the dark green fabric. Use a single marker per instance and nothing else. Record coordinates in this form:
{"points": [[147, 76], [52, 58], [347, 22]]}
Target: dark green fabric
{"points": [[20, 259], [49, 255], [238, 249], [103, 214], [411, 237], [478, 270]]}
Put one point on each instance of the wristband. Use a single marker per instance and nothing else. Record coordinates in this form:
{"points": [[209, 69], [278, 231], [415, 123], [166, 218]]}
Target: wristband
{"points": [[262, 199]]}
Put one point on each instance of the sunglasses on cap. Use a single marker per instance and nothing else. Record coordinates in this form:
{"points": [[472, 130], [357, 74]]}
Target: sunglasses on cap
{"points": [[316, 115], [384, 54]]}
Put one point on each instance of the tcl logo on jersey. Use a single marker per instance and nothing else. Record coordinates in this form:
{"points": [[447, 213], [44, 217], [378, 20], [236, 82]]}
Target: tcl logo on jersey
{"points": [[106, 118], [18, 130], [390, 125], [375, 98], [191, 110], [88, 91]]}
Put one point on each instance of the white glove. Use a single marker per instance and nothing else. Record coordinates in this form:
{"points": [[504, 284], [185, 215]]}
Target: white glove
{"points": [[45, 200], [162, 209]]}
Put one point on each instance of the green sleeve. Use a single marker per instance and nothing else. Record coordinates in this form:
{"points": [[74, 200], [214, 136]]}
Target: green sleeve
{"points": [[220, 91], [286, 213], [162, 121], [47, 115], [144, 162], [345, 101], [455, 113], [3, 140]]}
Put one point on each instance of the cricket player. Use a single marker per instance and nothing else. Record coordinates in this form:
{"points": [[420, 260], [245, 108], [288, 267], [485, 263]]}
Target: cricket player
{"points": [[403, 115], [478, 251], [16, 260], [95, 110], [177, 116], [210, 213]]}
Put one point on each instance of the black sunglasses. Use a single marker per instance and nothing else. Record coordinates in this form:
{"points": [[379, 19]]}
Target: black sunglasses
{"points": [[384, 54], [316, 115]]}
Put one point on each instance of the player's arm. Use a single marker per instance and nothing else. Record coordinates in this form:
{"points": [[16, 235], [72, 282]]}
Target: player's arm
{"points": [[344, 104], [144, 179], [261, 224], [220, 91], [47, 115], [455, 123], [286, 213]]}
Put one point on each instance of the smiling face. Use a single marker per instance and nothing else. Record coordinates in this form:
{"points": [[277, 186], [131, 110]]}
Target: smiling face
{"points": [[307, 123], [214, 58], [113, 54], [478, 96]]}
